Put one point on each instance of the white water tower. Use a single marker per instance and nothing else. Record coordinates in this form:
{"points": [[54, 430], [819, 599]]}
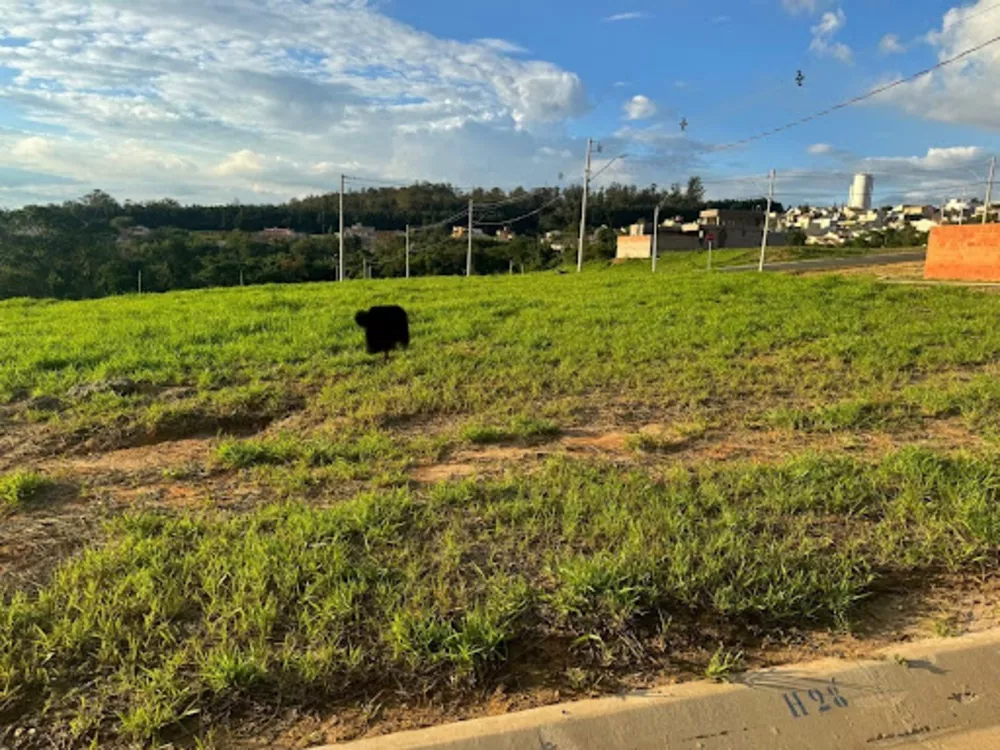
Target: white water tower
{"points": [[861, 192]]}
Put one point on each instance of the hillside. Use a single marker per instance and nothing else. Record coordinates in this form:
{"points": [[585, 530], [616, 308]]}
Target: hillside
{"points": [[223, 520]]}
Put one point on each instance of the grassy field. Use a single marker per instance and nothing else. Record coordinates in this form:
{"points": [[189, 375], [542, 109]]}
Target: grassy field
{"points": [[568, 482]]}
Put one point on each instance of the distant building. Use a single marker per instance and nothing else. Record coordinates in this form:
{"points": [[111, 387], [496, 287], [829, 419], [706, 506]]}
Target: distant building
{"points": [[638, 229], [719, 217], [721, 228], [506, 234], [462, 231], [278, 233], [860, 196], [831, 239], [367, 235]]}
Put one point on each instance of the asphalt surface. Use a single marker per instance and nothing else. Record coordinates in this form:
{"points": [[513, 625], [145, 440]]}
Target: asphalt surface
{"points": [[832, 264]]}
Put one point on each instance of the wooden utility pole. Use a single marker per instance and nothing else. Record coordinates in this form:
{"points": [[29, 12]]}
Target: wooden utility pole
{"points": [[407, 251]]}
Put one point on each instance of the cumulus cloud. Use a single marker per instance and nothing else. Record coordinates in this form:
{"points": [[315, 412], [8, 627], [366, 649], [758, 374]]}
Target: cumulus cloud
{"points": [[890, 45], [640, 107], [823, 42], [223, 97], [966, 92]]}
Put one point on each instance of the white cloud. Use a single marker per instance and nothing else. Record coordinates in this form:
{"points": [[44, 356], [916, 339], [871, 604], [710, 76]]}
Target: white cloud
{"points": [[830, 23], [952, 159], [823, 43], [965, 92], [634, 15], [503, 46], [241, 162], [890, 45], [640, 107], [820, 149], [243, 92], [722, 19]]}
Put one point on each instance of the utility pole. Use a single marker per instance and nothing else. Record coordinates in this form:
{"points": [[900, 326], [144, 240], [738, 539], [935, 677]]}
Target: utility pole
{"points": [[989, 190], [140, 281], [767, 221], [656, 235], [407, 251], [343, 180], [583, 211], [468, 254]]}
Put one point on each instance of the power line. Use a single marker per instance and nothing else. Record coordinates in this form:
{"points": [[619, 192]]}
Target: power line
{"points": [[860, 98], [982, 12], [603, 169], [461, 214], [520, 218], [518, 199]]}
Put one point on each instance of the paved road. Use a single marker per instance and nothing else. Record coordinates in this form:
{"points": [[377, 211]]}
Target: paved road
{"points": [[832, 264]]}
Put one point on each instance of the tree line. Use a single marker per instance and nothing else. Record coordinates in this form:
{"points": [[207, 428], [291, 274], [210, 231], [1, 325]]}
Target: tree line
{"points": [[96, 246]]}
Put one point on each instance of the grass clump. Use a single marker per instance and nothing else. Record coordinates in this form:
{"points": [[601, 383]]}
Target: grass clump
{"points": [[20, 488], [723, 664], [206, 613], [524, 428]]}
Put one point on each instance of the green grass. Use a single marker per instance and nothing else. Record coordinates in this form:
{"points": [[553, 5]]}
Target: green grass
{"points": [[545, 345], [20, 488], [197, 616], [524, 428], [354, 578], [724, 664]]}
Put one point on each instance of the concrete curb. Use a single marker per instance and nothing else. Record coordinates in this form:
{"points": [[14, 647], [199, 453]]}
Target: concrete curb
{"points": [[942, 694]]}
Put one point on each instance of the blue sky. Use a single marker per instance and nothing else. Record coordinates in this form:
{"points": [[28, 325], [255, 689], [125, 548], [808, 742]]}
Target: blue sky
{"points": [[262, 100]]}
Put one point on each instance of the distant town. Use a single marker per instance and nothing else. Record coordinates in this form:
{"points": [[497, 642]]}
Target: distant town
{"points": [[857, 222]]}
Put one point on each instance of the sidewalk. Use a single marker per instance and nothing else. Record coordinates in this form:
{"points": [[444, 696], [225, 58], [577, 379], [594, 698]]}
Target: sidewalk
{"points": [[940, 695]]}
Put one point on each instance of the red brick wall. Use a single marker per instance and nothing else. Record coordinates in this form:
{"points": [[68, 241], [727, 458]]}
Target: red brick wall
{"points": [[964, 253]]}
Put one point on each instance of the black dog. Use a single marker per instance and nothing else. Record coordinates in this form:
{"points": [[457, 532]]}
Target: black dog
{"points": [[385, 329]]}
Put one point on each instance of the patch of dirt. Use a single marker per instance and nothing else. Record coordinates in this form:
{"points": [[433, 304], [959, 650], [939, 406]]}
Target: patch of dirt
{"points": [[35, 540], [136, 460], [717, 445], [581, 441]]}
